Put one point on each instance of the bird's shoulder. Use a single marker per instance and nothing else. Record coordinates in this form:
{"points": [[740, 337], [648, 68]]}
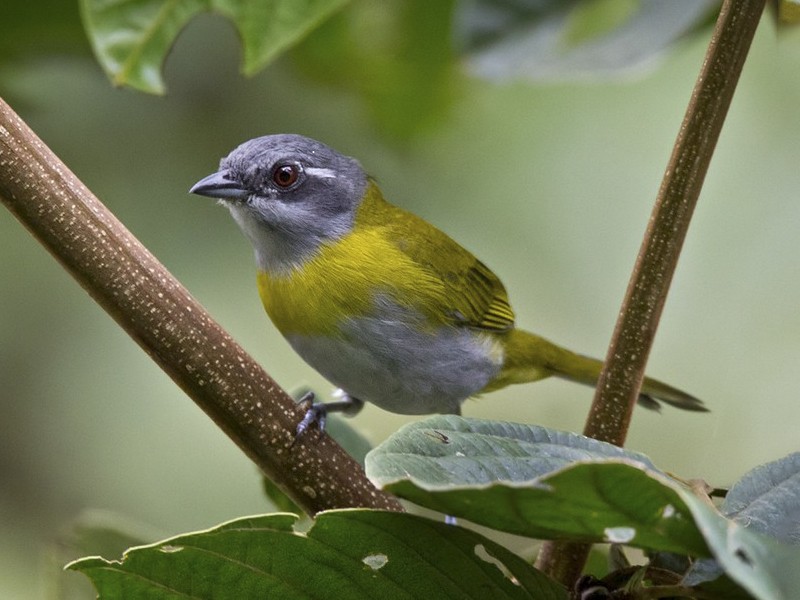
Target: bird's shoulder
{"points": [[473, 295]]}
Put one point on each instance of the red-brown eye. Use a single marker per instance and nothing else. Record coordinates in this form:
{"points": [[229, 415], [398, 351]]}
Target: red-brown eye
{"points": [[285, 175]]}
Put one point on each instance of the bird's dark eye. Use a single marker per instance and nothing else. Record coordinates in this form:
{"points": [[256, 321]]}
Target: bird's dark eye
{"points": [[285, 176]]}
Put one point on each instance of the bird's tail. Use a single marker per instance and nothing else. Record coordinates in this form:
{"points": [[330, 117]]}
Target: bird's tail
{"points": [[530, 358]]}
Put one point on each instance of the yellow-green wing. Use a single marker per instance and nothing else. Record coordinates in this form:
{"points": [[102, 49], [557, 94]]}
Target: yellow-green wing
{"points": [[487, 298], [474, 296]]}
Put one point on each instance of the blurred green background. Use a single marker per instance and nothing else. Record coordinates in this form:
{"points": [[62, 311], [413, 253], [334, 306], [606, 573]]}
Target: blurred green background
{"points": [[551, 185]]}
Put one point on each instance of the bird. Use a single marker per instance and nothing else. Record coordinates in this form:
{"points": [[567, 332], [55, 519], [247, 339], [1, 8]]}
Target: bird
{"points": [[384, 305]]}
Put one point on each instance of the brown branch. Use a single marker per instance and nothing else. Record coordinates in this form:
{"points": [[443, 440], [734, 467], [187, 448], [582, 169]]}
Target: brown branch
{"points": [[177, 333], [621, 379]]}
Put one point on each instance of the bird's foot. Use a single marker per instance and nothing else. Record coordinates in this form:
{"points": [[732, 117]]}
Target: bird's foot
{"points": [[317, 412]]}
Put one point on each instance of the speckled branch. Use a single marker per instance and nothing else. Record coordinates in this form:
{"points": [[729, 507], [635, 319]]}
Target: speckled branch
{"points": [[621, 379], [177, 333]]}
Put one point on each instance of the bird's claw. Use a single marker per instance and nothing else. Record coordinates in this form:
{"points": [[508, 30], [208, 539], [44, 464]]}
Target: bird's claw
{"points": [[316, 412]]}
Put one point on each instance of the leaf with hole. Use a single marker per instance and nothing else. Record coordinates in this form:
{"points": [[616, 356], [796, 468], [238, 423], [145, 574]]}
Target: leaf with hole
{"points": [[358, 554]]}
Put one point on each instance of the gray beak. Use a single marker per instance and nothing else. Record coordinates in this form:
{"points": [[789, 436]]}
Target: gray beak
{"points": [[220, 185]]}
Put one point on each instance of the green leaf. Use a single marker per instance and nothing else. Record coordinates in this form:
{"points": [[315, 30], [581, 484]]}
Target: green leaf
{"points": [[569, 39], [590, 502], [767, 499], [347, 554], [524, 479], [763, 567], [476, 470], [447, 450], [131, 38]]}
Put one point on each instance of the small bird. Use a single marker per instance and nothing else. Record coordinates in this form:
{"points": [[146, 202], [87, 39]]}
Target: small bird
{"points": [[380, 302]]}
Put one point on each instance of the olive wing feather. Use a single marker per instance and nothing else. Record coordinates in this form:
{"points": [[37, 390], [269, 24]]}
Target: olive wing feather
{"points": [[474, 296]]}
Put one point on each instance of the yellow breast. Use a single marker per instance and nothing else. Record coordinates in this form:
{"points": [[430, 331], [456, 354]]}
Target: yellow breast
{"points": [[344, 279]]}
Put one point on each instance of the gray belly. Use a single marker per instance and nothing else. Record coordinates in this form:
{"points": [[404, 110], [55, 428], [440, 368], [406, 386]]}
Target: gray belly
{"points": [[397, 366]]}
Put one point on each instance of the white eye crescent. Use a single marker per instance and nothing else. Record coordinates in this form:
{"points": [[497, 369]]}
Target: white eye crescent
{"points": [[321, 172]]}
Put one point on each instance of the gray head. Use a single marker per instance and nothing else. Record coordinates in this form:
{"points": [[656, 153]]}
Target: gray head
{"points": [[289, 194]]}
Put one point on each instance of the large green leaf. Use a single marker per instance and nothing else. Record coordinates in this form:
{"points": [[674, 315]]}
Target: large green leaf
{"points": [[131, 38], [448, 450], [615, 502], [451, 450], [533, 481], [477, 470], [357, 554]]}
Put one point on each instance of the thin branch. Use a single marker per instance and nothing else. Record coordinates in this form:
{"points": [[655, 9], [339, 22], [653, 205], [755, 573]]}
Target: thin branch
{"points": [[621, 379], [620, 382], [177, 333]]}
